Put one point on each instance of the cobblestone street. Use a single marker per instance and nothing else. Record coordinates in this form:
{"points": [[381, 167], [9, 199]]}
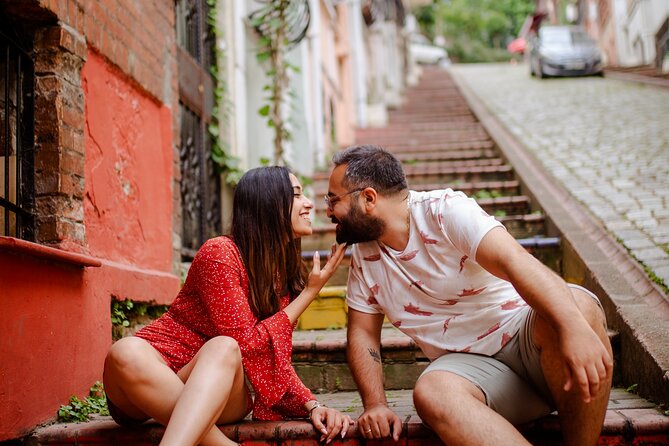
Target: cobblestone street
{"points": [[606, 140]]}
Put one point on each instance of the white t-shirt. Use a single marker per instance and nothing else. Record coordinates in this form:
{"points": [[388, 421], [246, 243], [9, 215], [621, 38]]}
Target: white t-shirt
{"points": [[434, 291]]}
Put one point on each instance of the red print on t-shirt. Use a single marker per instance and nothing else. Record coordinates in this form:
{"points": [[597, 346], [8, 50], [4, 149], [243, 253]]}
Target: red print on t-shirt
{"points": [[470, 292], [410, 308], [409, 256], [511, 305], [490, 330], [426, 239], [462, 262]]}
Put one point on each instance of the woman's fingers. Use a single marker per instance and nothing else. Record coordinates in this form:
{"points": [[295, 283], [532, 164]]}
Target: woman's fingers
{"points": [[318, 423], [317, 263]]}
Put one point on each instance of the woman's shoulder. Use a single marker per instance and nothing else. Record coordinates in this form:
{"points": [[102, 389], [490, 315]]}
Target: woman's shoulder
{"points": [[218, 248]]}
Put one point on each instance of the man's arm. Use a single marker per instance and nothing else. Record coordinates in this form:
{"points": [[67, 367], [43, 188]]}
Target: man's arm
{"points": [[587, 360], [364, 360]]}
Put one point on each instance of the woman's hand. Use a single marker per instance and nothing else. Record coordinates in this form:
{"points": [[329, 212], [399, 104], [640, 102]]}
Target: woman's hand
{"points": [[318, 277], [330, 422], [315, 282]]}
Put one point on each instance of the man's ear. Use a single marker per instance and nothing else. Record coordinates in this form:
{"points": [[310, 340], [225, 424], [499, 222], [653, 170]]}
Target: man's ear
{"points": [[370, 197]]}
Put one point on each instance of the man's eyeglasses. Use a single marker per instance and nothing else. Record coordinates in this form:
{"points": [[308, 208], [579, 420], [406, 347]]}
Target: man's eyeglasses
{"points": [[330, 201]]}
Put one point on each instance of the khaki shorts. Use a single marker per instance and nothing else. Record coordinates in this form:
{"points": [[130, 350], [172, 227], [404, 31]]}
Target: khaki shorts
{"points": [[512, 380]]}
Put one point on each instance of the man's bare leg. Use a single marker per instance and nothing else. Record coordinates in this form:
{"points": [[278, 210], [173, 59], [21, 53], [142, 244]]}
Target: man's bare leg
{"points": [[456, 410], [581, 422]]}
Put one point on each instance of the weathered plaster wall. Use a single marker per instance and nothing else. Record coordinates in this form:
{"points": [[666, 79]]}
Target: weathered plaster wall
{"points": [[128, 170], [55, 333]]}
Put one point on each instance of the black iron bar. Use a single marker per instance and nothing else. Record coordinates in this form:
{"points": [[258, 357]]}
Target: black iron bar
{"points": [[19, 148], [6, 147]]}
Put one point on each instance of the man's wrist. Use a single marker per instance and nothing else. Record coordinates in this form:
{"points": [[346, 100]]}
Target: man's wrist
{"points": [[375, 404]]}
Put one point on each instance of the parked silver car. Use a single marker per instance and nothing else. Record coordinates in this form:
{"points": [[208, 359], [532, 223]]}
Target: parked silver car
{"points": [[564, 51], [424, 52]]}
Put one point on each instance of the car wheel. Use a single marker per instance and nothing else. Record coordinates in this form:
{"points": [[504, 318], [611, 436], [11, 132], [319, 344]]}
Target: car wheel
{"points": [[540, 71]]}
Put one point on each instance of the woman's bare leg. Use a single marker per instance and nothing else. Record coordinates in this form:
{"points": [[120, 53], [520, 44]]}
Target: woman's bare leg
{"points": [[140, 384]]}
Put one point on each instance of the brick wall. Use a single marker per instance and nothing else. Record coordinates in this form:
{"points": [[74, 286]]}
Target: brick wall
{"points": [[138, 39], [137, 36]]}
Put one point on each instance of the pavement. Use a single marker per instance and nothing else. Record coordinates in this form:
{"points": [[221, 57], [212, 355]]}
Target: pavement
{"points": [[605, 140]]}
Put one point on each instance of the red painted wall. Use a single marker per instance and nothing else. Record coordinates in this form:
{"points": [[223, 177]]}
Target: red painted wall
{"points": [[128, 170], [56, 326], [55, 329]]}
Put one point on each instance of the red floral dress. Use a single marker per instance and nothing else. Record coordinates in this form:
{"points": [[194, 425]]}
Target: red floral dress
{"points": [[214, 302]]}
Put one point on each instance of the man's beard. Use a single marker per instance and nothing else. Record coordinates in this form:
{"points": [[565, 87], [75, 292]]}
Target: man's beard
{"points": [[356, 227]]}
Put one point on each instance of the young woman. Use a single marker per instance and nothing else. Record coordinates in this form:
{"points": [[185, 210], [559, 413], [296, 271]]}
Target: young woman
{"points": [[232, 320]]}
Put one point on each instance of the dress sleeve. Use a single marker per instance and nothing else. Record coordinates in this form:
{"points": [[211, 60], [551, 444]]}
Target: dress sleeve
{"points": [[266, 345]]}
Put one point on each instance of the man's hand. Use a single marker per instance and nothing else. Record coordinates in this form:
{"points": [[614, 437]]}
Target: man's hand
{"points": [[587, 363], [380, 422]]}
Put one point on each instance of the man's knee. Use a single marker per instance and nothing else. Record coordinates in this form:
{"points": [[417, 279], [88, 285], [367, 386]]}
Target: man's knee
{"points": [[438, 393], [590, 308]]}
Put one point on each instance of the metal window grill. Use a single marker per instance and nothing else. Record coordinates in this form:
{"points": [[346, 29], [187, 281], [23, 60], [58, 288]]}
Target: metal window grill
{"points": [[16, 140], [200, 183]]}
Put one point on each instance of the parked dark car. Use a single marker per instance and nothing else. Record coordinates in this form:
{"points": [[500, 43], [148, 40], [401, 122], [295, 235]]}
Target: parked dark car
{"points": [[564, 51]]}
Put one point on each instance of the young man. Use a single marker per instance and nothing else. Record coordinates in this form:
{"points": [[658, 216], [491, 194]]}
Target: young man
{"points": [[509, 341]]}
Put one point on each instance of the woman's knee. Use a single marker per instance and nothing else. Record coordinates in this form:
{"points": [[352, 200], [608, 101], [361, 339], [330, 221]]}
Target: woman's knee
{"points": [[127, 354], [222, 348]]}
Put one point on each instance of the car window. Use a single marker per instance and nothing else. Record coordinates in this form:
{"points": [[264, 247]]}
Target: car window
{"points": [[580, 37], [563, 36], [555, 35]]}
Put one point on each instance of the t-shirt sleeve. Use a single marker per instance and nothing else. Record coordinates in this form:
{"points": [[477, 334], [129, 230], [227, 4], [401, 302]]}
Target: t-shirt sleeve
{"points": [[266, 345], [359, 295], [463, 221]]}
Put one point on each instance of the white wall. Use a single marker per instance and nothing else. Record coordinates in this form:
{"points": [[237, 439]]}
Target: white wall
{"points": [[639, 29]]}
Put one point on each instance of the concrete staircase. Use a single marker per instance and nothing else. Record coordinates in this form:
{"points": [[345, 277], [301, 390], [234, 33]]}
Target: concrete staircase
{"points": [[441, 144]]}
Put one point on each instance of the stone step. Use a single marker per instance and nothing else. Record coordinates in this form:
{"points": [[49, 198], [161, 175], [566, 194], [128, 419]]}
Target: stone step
{"points": [[319, 358], [519, 226], [498, 206], [475, 190], [630, 420]]}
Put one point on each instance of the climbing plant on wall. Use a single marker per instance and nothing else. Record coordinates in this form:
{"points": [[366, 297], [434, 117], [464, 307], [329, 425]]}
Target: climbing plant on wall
{"points": [[226, 163], [281, 24]]}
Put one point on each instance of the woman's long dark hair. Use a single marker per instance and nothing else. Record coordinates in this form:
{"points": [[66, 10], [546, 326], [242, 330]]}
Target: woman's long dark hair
{"points": [[263, 232]]}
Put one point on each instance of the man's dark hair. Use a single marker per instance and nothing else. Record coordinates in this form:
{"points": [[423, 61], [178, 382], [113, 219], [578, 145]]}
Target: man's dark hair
{"points": [[371, 166]]}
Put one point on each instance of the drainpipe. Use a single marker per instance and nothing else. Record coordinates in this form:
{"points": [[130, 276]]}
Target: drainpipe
{"points": [[359, 68]]}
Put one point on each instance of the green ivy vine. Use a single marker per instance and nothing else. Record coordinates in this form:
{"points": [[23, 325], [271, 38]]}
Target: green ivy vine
{"points": [[273, 22], [226, 163]]}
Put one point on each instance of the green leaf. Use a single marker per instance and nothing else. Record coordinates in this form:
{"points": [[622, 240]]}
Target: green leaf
{"points": [[214, 130], [264, 161], [262, 57], [264, 110]]}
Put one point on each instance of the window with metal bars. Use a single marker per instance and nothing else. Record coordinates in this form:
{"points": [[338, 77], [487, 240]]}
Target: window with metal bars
{"points": [[16, 139], [200, 184]]}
